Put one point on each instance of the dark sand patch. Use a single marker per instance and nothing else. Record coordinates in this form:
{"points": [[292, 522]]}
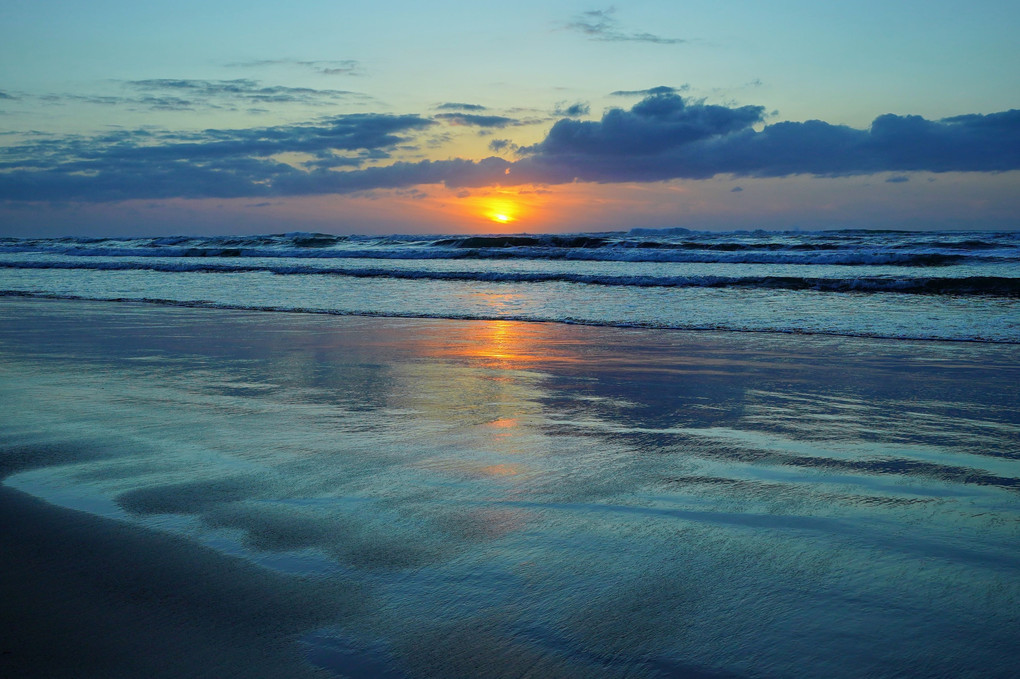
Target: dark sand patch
{"points": [[86, 597]]}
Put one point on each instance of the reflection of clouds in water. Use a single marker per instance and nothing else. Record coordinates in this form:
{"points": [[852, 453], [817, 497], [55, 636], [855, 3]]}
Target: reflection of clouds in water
{"points": [[564, 501]]}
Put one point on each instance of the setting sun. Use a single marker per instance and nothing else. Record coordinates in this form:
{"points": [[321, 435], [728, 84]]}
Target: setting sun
{"points": [[501, 210], [506, 210]]}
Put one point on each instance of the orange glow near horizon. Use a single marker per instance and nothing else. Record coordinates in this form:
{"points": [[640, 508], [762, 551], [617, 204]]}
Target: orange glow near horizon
{"points": [[439, 209], [538, 209]]}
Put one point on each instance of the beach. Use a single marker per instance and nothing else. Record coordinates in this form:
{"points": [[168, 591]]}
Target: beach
{"points": [[219, 492], [89, 597]]}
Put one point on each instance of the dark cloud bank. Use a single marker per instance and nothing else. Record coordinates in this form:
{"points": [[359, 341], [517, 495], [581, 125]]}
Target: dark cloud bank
{"points": [[661, 137]]}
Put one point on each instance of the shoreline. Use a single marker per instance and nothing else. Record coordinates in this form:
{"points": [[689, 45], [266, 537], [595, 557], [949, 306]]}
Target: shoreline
{"points": [[199, 304]]}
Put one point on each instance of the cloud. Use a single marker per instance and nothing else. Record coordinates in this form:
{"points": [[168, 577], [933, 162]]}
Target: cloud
{"points": [[661, 89], [96, 99], [476, 120], [166, 94], [322, 66], [898, 179], [329, 160], [601, 25], [572, 110], [455, 173], [4, 95], [221, 163], [662, 137], [500, 145], [655, 124], [241, 90], [454, 106]]}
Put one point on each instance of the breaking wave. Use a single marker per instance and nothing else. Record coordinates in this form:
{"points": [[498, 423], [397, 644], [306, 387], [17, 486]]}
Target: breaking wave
{"points": [[996, 286], [854, 248]]}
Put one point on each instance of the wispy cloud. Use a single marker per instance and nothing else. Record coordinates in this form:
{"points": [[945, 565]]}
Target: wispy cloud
{"points": [[241, 90], [601, 25], [169, 94], [476, 120], [322, 67], [661, 89], [455, 106]]}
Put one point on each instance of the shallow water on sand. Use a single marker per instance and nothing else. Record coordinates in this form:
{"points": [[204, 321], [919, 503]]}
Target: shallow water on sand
{"points": [[544, 500]]}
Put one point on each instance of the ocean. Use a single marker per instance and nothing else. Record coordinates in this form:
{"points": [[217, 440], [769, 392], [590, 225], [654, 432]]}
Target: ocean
{"points": [[909, 285], [653, 454]]}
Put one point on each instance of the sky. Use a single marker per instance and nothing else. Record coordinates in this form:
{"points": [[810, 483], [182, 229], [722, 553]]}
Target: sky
{"points": [[127, 118]]}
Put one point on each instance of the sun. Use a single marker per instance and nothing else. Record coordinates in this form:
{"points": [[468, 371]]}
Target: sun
{"points": [[501, 210]]}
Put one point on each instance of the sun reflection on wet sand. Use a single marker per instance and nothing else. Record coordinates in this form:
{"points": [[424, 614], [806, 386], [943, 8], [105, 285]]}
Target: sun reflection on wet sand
{"points": [[507, 345]]}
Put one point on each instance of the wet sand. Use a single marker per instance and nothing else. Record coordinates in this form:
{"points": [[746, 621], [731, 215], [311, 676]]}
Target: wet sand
{"points": [[401, 498], [85, 596]]}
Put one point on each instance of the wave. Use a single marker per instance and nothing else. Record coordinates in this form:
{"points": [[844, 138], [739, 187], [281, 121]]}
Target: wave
{"points": [[994, 286], [206, 304], [618, 254], [852, 248]]}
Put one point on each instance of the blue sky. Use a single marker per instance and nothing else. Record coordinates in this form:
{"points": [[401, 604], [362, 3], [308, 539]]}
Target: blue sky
{"points": [[400, 117]]}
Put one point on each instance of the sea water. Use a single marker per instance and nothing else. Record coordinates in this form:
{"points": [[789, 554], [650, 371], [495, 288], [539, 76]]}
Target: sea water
{"points": [[834, 495], [916, 285]]}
